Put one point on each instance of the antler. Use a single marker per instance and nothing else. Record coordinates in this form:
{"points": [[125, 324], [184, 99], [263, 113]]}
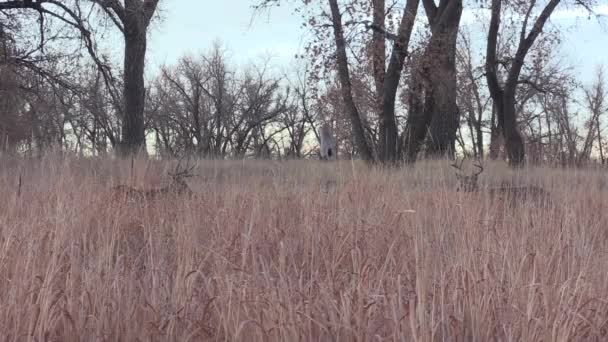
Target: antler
{"points": [[180, 173], [480, 167], [458, 166]]}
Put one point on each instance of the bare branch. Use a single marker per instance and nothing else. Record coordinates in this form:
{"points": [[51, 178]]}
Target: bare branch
{"points": [[115, 12]]}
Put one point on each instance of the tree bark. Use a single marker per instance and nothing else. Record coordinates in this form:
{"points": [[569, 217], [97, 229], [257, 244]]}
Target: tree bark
{"points": [[479, 132], [133, 130], [514, 143], [135, 17], [378, 51], [378, 57], [418, 119], [504, 96], [346, 87], [495, 136], [388, 123], [599, 140], [440, 57]]}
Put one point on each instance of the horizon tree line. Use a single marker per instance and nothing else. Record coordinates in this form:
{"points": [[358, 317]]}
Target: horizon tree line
{"points": [[395, 81]]}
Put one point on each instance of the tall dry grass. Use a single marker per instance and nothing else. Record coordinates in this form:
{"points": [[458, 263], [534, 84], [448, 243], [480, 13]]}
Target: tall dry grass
{"points": [[298, 250]]}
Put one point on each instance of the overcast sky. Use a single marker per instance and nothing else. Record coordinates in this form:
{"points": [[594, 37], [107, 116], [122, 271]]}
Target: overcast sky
{"points": [[191, 26]]}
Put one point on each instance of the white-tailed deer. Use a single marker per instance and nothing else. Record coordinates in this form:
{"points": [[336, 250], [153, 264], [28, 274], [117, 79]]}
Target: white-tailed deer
{"points": [[328, 145], [467, 183], [177, 187], [513, 194]]}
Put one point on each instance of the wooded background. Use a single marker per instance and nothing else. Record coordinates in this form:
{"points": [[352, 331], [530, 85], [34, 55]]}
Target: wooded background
{"points": [[396, 80]]}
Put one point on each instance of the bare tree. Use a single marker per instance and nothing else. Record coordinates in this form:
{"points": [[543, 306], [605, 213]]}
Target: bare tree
{"points": [[94, 114], [12, 130], [472, 100], [595, 102], [439, 66], [504, 93], [544, 79], [300, 119], [387, 80], [131, 18], [565, 139], [36, 92], [345, 81], [261, 102], [202, 105]]}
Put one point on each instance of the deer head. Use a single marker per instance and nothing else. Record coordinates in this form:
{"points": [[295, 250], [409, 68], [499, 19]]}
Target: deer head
{"points": [[179, 176], [467, 183]]}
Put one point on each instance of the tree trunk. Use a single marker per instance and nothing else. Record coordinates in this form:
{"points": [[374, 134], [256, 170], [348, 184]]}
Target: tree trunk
{"points": [[479, 133], [473, 131], [495, 136], [599, 139], [378, 51], [388, 123], [133, 130], [504, 96], [441, 55], [388, 126], [346, 86], [514, 143], [418, 119]]}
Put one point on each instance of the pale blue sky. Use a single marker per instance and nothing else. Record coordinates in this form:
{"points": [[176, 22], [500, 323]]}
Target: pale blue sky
{"points": [[191, 26]]}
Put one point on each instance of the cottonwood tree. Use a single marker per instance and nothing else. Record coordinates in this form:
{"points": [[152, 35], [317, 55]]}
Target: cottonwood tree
{"points": [[131, 18], [93, 117], [433, 113], [503, 90], [203, 105], [301, 117], [473, 101], [295, 124], [35, 91], [595, 102], [567, 142], [438, 67], [12, 131], [186, 81], [261, 103], [545, 75], [563, 134], [346, 83], [195, 98], [332, 15]]}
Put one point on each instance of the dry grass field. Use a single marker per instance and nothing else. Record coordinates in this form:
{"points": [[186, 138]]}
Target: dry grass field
{"points": [[298, 251]]}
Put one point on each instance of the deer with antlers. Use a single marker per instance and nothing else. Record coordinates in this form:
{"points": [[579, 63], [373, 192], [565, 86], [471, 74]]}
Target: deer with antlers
{"points": [[467, 183], [177, 187], [513, 194]]}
